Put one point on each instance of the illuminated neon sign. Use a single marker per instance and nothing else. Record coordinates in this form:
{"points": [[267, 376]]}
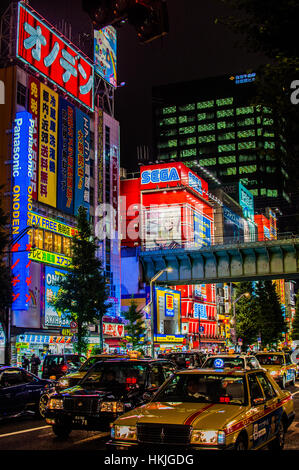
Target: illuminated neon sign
{"points": [[22, 173], [159, 175], [194, 182], [49, 54], [42, 256], [52, 225]]}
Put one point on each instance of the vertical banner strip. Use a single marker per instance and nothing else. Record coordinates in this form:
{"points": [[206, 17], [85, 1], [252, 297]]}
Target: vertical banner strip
{"points": [[33, 108], [82, 163]]}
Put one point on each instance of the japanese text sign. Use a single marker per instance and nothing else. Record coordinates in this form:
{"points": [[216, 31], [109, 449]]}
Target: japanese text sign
{"points": [[51, 55]]}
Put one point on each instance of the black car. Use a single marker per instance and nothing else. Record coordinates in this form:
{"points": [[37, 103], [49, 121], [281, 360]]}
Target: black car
{"points": [[109, 389], [20, 391], [185, 359], [57, 365]]}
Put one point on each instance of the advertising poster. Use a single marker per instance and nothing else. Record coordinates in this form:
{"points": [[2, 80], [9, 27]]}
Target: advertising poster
{"points": [[22, 165], [33, 108], [105, 54], [46, 52], [246, 201], [167, 311], [163, 227], [202, 230], [53, 318], [82, 163], [233, 226], [48, 137], [200, 311], [66, 157]]}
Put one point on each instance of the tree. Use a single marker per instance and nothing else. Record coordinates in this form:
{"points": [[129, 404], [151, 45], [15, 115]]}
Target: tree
{"points": [[5, 281], [83, 294], [295, 325], [134, 328], [270, 320], [246, 313], [270, 27]]}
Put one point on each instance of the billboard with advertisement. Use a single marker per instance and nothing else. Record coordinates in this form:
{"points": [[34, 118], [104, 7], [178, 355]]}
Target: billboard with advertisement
{"points": [[105, 54], [200, 311], [51, 317], [53, 56], [33, 108], [167, 311], [202, 230], [48, 136], [272, 223], [82, 162], [22, 166], [246, 201], [163, 226], [233, 226], [66, 157]]}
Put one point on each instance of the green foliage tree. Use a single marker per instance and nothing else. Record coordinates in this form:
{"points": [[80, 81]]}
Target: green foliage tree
{"points": [[5, 280], [83, 292], [295, 325], [270, 320], [134, 328], [246, 312], [270, 28]]}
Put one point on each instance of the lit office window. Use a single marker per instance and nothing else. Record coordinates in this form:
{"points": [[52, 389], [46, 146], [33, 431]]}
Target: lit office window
{"points": [[232, 171], [169, 110], [268, 122], [225, 113], [245, 122], [224, 101], [247, 133], [228, 159], [207, 162], [206, 138], [225, 124], [57, 243], [272, 192], [168, 132], [48, 241], [227, 136], [187, 130], [202, 116], [226, 147], [67, 246], [172, 143], [206, 127], [205, 104], [245, 110], [247, 158], [269, 145], [247, 169], [246, 145], [183, 119], [167, 121], [254, 192], [270, 169], [187, 107], [187, 153], [39, 239]]}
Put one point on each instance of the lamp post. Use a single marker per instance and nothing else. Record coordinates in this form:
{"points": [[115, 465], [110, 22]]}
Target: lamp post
{"points": [[153, 279], [233, 320]]}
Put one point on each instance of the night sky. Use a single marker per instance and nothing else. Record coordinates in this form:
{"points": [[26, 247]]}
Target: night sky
{"points": [[194, 48]]}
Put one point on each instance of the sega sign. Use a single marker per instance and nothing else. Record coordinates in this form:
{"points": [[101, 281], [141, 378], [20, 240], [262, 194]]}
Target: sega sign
{"points": [[160, 175]]}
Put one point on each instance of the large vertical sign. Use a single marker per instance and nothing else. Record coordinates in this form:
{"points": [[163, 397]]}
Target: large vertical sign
{"points": [[66, 157], [48, 53], [33, 108], [115, 184], [52, 317], [246, 201], [202, 230], [48, 132], [82, 163], [22, 173], [167, 308], [105, 44]]}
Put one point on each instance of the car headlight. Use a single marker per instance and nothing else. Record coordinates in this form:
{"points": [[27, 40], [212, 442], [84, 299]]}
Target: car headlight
{"points": [[275, 372], [124, 433], [112, 407], [63, 382], [208, 437], [55, 404]]}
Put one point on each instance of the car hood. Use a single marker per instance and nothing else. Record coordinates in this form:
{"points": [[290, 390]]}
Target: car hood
{"points": [[199, 415]]}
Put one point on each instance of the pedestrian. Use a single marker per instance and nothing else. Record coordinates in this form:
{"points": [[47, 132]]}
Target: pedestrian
{"points": [[25, 362], [35, 362]]}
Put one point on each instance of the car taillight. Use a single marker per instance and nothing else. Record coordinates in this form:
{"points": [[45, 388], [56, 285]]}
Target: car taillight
{"points": [[187, 363], [64, 368]]}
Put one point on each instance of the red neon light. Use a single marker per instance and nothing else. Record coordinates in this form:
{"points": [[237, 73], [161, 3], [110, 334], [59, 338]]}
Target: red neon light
{"points": [[224, 399], [45, 51]]}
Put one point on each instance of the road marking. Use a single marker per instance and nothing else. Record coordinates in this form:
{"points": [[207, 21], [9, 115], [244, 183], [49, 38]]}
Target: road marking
{"points": [[102, 434], [22, 432]]}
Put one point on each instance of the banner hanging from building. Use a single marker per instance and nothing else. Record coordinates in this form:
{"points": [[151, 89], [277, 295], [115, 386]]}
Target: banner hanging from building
{"points": [[22, 173], [66, 157], [105, 49], [33, 108], [48, 132], [82, 161]]}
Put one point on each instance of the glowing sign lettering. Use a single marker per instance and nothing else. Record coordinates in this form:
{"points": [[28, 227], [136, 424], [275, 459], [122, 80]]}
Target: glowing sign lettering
{"points": [[159, 175]]}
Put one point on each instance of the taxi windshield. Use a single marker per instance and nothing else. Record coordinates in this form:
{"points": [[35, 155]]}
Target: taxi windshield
{"points": [[270, 359], [231, 362], [90, 362], [105, 376], [203, 388]]}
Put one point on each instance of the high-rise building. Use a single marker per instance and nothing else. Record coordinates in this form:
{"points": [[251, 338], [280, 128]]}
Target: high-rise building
{"points": [[211, 123]]}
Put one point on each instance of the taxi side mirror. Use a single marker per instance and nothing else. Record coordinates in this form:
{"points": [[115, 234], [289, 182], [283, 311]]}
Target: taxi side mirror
{"points": [[259, 401]]}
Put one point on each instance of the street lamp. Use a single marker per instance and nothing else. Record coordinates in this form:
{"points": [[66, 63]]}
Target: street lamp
{"points": [[233, 320], [153, 279]]}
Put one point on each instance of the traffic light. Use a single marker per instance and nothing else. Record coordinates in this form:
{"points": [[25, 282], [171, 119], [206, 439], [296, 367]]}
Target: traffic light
{"points": [[148, 17]]}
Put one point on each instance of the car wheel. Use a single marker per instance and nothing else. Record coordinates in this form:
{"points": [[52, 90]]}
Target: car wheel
{"points": [[241, 443], [278, 442], [61, 431], [43, 401]]}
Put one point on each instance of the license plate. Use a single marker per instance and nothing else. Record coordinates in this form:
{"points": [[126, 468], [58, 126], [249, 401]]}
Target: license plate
{"points": [[80, 420]]}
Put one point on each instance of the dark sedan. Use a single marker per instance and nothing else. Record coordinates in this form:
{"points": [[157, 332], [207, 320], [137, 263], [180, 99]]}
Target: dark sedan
{"points": [[20, 391]]}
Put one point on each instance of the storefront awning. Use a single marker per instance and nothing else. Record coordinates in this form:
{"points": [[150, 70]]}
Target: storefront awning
{"points": [[112, 342]]}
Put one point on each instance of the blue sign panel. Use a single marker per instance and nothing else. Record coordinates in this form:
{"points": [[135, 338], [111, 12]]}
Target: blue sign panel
{"points": [[194, 182], [159, 175], [246, 201], [66, 157], [22, 172], [82, 164], [200, 311], [233, 226], [202, 230]]}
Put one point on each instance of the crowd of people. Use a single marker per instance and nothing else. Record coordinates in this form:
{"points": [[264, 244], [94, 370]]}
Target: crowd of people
{"points": [[31, 364]]}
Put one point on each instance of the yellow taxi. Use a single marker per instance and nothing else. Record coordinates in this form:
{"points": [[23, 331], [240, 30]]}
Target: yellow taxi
{"points": [[204, 409], [279, 365], [72, 379]]}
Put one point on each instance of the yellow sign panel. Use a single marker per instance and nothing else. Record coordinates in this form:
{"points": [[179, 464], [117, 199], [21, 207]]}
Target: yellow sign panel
{"points": [[51, 224], [48, 136], [169, 339], [43, 256]]}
